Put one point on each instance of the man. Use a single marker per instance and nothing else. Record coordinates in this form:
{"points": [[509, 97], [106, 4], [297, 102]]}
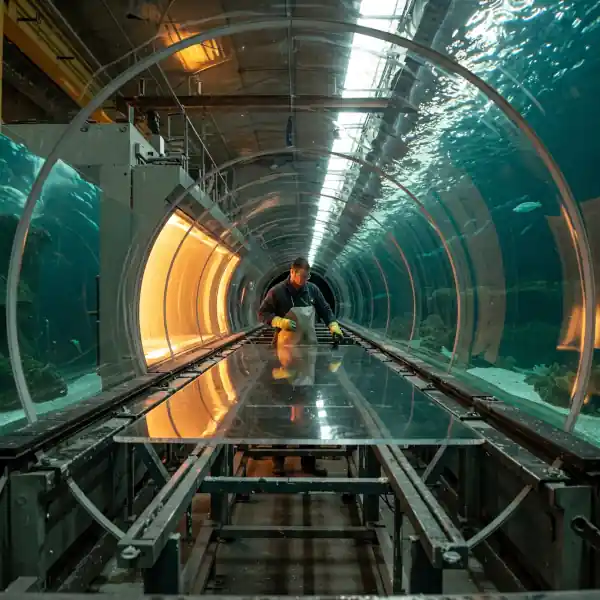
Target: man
{"points": [[296, 291]]}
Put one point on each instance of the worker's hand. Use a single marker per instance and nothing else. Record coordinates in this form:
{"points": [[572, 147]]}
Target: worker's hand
{"points": [[281, 373], [286, 324], [334, 366], [335, 330]]}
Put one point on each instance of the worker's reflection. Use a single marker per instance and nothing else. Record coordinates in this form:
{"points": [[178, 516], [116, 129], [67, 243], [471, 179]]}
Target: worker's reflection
{"points": [[297, 356], [297, 350]]}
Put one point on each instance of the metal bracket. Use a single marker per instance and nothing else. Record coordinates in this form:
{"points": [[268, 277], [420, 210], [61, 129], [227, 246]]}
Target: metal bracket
{"points": [[93, 510], [586, 530], [155, 467]]}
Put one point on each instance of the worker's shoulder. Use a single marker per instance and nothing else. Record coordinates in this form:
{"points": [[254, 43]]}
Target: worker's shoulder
{"points": [[313, 288], [278, 289]]}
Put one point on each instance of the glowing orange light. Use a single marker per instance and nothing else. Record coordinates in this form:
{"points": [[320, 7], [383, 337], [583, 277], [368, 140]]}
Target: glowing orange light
{"points": [[195, 411], [194, 57], [195, 312], [574, 329]]}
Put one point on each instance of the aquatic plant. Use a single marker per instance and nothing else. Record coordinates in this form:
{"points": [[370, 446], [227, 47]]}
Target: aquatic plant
{"points": [[400, 327], [434, 333], [44, 380], [553, 385]]}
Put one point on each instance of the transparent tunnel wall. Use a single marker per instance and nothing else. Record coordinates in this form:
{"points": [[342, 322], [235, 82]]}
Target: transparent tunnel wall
{"points": [[444, 232]]}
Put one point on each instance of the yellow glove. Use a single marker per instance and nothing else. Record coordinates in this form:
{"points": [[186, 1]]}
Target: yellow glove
{"points": [[335, 329], [281, 373], [286, 324], [334, 366]]}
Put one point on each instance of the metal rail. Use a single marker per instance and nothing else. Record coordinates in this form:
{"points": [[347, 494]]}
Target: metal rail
{"points": [[223, 102], [563, 595]]}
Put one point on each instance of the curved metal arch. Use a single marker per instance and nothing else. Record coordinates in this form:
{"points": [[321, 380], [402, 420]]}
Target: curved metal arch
{"points": [[421, 207], [336, 273], [571, 211], [384, 279], [376, 261]]}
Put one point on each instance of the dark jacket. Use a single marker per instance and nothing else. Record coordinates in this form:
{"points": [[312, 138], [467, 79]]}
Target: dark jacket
{"points": [[284, 296]]}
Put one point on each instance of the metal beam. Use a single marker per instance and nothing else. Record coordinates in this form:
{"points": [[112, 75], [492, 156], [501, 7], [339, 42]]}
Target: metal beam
{"points": [[294, 485], [229, 532], [561, 595], [266, 102], [30, 26]]}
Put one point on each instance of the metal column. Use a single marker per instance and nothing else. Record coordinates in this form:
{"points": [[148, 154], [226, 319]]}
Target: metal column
{"points": [[165, 576]]}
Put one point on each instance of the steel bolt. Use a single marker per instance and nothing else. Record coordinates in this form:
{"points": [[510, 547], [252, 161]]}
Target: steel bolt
{"points": [[451, 557], [130, 553]]}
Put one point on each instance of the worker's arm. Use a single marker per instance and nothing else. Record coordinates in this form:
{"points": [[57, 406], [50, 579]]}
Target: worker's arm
{"points": [[325, 313], [267, 314], [267, 311], [322, 306]]}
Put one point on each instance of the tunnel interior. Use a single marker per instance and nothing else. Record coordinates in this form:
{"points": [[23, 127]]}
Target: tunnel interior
{"points": [[315, 278], [479, 263]]}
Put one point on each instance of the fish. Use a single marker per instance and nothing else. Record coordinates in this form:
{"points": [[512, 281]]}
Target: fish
{"points": [[77, 345], [526, 207]]}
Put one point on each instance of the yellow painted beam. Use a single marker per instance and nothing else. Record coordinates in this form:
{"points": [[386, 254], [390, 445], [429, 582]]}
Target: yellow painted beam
{"points": [[32, 30]]}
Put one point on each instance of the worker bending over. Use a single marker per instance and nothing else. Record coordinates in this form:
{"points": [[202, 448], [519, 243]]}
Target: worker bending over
{"points": [[296, 292]]}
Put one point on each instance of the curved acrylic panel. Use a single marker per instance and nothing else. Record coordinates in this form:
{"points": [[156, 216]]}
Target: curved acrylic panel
{"points": [[423, 205], [58, 290]]}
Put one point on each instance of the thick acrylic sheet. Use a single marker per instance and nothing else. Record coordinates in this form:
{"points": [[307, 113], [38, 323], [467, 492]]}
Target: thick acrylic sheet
{"points": [[318, 395]]}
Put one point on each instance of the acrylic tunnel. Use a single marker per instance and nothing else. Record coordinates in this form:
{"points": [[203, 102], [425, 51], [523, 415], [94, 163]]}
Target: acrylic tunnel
{"points": [[439, 176]]}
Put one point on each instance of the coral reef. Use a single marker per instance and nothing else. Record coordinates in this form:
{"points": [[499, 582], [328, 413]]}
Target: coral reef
{"points": [[400, 327], [553, 384], [434, 334], [45, 382]]}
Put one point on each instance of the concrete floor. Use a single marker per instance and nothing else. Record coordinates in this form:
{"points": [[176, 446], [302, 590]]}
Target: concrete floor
{"points": [[294, 567]]}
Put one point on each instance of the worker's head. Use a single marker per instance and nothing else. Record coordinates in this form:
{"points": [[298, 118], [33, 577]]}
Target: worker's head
{"points": [[300, 272]]}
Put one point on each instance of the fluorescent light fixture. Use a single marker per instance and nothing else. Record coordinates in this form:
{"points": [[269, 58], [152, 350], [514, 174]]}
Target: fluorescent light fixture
{"points": [[364, 71]]}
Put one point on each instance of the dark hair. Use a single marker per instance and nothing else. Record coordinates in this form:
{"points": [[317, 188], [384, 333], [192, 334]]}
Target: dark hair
{"points": [[300, 263]]}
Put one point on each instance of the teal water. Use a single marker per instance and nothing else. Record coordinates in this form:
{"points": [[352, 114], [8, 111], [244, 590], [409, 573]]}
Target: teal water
{"points": [[57, 294], [494, 204]]}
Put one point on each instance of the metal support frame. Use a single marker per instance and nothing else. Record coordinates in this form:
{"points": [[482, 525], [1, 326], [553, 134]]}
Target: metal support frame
{"points": [[437, 544], [295, 485], [571, 595], [222, 102]]}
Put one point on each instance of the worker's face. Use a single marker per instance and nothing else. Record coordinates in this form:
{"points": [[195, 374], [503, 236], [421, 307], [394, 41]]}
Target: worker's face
{"points": [[299, 277]]}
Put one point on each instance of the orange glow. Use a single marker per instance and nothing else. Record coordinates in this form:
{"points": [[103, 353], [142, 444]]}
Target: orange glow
{"points": [[574, 330], [191, 306], [195, 57], [196, 410], [222, 294]]}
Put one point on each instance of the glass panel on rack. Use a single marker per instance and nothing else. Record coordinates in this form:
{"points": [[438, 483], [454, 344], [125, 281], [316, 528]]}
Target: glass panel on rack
{"points": [[300, 395]]}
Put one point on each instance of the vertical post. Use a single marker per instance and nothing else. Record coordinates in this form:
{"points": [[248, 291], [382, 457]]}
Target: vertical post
{"points": [[164, 577], [130, 479], [370, 468], [423, 577], [469, 488], [29, 549], [219, 506], [397, 588]]}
